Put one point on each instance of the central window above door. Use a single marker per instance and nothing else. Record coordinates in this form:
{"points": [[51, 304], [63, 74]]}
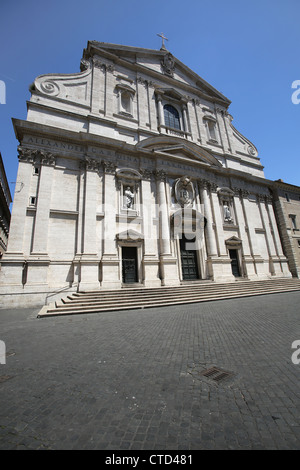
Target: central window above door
{"points": [[171, 116]]}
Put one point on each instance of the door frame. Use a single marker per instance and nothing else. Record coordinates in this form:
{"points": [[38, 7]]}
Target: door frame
{"points": [[235, 243], [136, 264], [199, 258], [139, 274]]}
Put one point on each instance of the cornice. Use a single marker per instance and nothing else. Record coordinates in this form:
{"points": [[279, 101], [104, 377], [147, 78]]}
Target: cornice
{"points": [[84, 139], [283, 185]]}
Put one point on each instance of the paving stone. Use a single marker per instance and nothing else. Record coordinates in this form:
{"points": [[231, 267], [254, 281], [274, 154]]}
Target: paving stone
{"points": [[131, 380]]}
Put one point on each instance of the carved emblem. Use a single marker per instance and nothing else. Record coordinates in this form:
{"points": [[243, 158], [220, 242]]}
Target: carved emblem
{"points": [[184, 191], [168, 65]]}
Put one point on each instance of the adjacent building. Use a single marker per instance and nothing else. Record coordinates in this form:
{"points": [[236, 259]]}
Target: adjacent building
{"points": [[5, 201], [287, 209], [131, 172]]}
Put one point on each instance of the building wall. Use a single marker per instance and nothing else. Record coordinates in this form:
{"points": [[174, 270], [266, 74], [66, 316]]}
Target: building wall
{"points": [[5, 201], [90, 136]]}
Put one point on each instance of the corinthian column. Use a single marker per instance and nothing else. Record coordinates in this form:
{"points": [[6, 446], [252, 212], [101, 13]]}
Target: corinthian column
{"points": [[164, 232], [168, 264]]}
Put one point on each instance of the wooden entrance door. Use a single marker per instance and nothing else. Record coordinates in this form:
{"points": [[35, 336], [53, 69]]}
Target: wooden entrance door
{"points": [[129, 265], [234, 263], [189, 263]]}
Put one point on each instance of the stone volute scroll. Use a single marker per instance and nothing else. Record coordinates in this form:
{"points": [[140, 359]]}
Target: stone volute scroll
{"points": [[184, 191]]}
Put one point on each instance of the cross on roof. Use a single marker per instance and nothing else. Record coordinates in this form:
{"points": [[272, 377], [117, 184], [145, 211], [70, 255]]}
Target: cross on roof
{"points": [[161, 35]]}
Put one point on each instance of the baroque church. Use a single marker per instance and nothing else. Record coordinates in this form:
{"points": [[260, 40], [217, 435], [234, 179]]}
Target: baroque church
{"points": [[131, 173]]}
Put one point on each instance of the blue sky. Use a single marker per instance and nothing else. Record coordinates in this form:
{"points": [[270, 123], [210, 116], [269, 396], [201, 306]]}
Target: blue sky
{"points": [[248, 50]]}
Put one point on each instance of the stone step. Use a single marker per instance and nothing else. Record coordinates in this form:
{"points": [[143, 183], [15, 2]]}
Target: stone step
{"points": [[119, 295], [152, 297], [100, 301], [180, 289]]}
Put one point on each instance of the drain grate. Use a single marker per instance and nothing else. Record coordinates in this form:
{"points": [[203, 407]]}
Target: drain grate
{"points": [[216, 374]]}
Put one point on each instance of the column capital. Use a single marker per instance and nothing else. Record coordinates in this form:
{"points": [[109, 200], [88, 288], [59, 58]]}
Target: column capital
{"points": [[99, 64], [109, 167], [110, 68], [36, 156], [208, 185], [160, 175], [90, 164], [146, 173]]}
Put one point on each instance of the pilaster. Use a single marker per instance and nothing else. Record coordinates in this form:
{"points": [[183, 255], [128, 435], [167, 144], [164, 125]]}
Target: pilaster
{"points": [[109, 91], [142, 102], [111, 278], [150, 259], [88, 259]]}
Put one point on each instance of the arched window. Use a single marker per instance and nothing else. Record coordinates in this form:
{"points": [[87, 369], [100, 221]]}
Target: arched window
{"points": [[171, 116]]}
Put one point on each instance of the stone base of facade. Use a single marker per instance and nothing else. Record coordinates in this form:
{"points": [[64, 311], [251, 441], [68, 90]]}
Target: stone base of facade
{"points": [[169, 271], [38, 281], [151, 272]]}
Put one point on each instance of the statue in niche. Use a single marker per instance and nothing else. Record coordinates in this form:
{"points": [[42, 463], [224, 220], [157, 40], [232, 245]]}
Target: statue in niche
{"points": [[129, 198], [227, 212]]}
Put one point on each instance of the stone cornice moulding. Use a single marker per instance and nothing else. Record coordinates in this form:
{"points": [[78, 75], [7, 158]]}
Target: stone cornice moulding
{"points": [[23, 128]]}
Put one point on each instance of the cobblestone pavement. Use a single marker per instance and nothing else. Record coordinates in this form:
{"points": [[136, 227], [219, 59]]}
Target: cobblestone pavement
{"points": [[132, 380]]}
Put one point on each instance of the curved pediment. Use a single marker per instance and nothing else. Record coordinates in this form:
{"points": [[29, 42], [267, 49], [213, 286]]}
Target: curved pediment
{"points": [[177, 147]]}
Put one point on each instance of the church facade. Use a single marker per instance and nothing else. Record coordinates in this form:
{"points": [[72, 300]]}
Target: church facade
{"points": [[132, 173]]}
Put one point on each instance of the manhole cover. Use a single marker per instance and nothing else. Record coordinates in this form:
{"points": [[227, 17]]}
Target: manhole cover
{"points": [[216, 374]]}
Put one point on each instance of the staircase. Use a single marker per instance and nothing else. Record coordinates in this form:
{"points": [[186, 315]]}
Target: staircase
{"points": [[134, 298]]}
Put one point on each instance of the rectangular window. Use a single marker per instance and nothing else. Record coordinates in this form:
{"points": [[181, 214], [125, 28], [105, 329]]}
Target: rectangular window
{"points": [[287, 197], [293, 221], [32, 201]]}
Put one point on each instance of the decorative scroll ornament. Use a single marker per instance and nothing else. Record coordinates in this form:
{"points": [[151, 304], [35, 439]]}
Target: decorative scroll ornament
{"points": [[50, 88], [184, 191], [168, 65], [251, 151], [84, 65]]}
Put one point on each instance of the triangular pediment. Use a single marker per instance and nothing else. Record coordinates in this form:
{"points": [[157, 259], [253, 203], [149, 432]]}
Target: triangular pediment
{"points": [[233, 241], [155, 61], [130, 235], [178, 148]]}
